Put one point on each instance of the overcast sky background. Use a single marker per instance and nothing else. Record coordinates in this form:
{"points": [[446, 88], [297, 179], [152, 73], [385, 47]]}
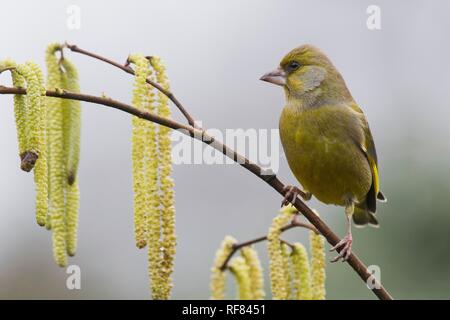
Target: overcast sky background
{"points": [[215, 52]]}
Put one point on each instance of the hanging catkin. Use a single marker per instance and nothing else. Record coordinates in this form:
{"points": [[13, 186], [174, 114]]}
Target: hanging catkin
{"points": [[30, 116], [241, 272], [286, 260], [217, 284], [33, 136], [19, 104], [147, 201], [154, 208], [71, 135], [317, 243], [278, 276], [302, 277], [56, 165], [139, 156], [166, 184], [255, 272], [20, 113]]}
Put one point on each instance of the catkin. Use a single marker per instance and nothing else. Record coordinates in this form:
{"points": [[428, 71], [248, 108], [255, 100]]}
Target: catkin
{"points": [[71, 136], [19, 104], [56, 165], [72, 207], [286, 260], [148, 214], [166, 195], [317, 243], [255, 272], [54, 82], [20, 113], [30, 117], [41, 166], [35, 107], [302, 277], [154, 208], [153, 223], [71, 121], [278, 279], [217, 284], [63, 131], [32, 134], [139, 147], [241, 272]]}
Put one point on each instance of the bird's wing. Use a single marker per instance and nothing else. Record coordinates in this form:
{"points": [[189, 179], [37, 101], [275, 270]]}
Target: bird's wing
{"points": [[368, 147]]}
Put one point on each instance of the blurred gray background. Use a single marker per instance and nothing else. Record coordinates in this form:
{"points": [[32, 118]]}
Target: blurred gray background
{"points": [[215, 52]]}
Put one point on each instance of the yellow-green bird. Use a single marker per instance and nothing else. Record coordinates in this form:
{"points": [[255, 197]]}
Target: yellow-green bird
{"points": [[326, 139]]}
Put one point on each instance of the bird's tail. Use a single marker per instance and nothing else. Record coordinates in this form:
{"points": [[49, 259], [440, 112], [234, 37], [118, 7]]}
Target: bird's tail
{"points": [[362, 217]]}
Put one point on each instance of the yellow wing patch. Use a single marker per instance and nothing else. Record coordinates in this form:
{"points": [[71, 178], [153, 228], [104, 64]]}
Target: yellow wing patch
{"points": [[374, 170]]}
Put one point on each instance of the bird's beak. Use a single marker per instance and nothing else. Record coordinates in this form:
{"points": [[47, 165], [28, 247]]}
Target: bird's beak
{"points": [[277, 77]]}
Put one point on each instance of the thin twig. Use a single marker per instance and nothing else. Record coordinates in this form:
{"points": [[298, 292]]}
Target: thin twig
{"points": [[129, 70], [201, 135], [287, 243], [238, 246], [7, 69]]}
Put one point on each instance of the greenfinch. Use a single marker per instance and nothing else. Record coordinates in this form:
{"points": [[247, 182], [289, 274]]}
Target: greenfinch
{"points": [[326, 140]]}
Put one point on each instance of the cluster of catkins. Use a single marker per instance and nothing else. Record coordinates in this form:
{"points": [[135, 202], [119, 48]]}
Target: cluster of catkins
{"points": [[154, 210], [246, 270], [292, 274], [48, 131]]}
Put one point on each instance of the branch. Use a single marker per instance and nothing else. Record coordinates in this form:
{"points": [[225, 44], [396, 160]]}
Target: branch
{"points": [[201, 135], [236, 247], [129, 70]]}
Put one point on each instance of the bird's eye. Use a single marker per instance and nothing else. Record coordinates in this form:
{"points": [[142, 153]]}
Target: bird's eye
{"points": [[293, 65]]}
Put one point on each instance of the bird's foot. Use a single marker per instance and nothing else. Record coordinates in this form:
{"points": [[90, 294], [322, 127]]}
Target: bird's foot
{"points": [[345, 246], [291, 192]]}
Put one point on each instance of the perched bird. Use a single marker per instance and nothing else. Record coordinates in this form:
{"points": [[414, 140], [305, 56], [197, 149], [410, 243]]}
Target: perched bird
{"points": [[326, 139]]}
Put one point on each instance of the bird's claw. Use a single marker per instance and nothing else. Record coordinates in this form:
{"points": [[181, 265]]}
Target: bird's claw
{"points": [[346, 248], [291, 193]]}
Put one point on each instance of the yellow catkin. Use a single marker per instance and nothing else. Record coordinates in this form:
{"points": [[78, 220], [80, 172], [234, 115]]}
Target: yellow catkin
{"points": [[41, 167], [241, 272], [217, 284], [54, 82], [56, 164], [71, 121], [19, 105], [160, 286], [71, 136], [35, 106], [165, 180], [302, 277], [255, 272], [317, 243], [139, 145], [36, 140], [277, 273], [286, 259], [148, 214], [72, 207], [20, 113]]}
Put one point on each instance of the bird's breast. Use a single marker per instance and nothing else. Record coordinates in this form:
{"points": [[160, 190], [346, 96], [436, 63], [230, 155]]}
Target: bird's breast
{"points": [[321, 152]]}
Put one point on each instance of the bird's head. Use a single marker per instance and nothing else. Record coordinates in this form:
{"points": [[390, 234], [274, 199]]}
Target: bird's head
{"points": [[306, 70]]}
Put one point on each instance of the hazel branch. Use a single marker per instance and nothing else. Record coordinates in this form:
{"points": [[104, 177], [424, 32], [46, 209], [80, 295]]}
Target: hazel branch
{"points": [[125, 67], [199, 134]]}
